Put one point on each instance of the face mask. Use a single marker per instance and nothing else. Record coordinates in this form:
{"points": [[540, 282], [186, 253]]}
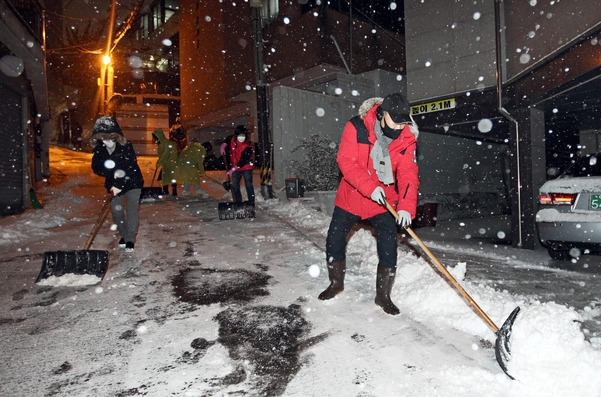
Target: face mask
{"points": [[109, 143], [390, 132], [241, 138]]}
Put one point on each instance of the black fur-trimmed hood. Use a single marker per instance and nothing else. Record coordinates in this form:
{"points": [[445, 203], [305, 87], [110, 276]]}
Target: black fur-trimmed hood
{"points": [[106, 127]]}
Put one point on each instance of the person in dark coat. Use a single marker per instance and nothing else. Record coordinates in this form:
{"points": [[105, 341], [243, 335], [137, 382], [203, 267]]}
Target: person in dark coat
{"points": [[378, 166], [241, 156], [115, 160], [178, 135]]}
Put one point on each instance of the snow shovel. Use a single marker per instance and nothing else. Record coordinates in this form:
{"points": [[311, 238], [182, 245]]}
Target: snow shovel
{"points": [[502, 344], [152, 193], [86, 261], [227, 185]]}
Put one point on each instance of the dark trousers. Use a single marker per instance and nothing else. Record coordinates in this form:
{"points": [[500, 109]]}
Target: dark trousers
{"points": [[248, 183], [124, 209], [342, 223], [173, 189]]}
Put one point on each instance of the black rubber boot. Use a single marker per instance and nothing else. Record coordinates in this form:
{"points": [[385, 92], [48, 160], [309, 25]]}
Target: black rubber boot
{"points": [[384, 283], [336, 271]]}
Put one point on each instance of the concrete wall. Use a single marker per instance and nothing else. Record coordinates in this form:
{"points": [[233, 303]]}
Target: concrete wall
{"points": [[451, 47], [451, 44], [298, 114], [536, 30], [138, 120]]}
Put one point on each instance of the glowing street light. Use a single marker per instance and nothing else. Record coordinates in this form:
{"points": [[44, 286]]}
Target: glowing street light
{"points": [[106, 81]]}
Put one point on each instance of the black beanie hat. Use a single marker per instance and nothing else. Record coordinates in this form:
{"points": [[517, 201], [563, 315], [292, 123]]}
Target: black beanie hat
{"points": [[397, 107]]}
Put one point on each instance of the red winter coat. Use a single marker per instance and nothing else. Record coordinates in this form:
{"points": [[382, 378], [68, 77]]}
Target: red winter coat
{"points": [[359, 179], [241, 154]]}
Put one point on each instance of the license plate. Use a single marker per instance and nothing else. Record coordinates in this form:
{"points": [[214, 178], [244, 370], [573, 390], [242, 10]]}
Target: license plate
{"points": [[594, 202]]}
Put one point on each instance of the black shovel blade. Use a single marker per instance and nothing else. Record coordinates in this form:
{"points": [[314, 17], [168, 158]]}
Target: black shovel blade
{"points": [[226, 210], [57, 263], [150, 194], [227, 185], [502, 344], [230, 210]]}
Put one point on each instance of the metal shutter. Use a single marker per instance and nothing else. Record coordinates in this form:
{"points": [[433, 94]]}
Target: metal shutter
{"points": [[11, 153]]}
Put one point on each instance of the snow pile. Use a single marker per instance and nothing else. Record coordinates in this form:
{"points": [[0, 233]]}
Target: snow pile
{"points": [[548, 344], [28, 225], [70, 280], [549, 353]]}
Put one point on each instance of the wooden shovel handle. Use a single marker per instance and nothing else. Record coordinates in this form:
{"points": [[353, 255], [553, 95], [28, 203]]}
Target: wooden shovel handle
{"points": [[99, 222], [446, 273]]}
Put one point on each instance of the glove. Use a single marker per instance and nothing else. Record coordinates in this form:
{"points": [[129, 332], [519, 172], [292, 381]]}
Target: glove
{"points": [[230, 172], [115, 190], [379, 196], [222, 148], [403, 219]]}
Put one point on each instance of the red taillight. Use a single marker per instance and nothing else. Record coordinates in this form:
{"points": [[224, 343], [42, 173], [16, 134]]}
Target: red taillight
{"points": [[557, 198], [544, 199]]}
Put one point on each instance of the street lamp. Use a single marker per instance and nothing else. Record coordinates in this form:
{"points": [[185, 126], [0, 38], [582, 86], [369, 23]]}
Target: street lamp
{"points": [[107, 74]]}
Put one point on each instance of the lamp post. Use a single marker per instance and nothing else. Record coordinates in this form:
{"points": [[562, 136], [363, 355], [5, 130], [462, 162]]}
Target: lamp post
{"points": [[262, 109], [107, 72], [106, 82]]}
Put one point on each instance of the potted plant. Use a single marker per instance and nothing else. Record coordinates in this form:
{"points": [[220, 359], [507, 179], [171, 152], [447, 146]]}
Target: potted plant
{"points": [[319, 171]]}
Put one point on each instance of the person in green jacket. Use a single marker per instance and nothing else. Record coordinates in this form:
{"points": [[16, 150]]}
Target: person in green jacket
{"points": [[191, 167], [168, 160]]}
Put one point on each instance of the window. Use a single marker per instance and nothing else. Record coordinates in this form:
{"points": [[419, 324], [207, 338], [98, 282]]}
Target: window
{"points": [[270, 9], [160, 12], [156, 16], [172, 5], [144, 26], [373, 11]]}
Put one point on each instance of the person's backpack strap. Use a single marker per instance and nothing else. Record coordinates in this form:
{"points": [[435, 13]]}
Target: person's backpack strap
{"points": [[361, 129]]}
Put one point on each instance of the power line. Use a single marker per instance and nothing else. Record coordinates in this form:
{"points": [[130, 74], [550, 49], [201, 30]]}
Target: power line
{"points": [[71, 18]]}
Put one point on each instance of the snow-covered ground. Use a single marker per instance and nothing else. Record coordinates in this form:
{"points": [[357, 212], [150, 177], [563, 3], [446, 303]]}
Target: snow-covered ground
{"points": [[205, 307]]}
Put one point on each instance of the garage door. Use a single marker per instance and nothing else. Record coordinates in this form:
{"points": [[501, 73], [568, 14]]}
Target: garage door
{"points": [[11, 153]]}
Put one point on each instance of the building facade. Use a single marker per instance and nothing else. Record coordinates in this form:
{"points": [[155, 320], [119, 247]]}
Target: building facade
{"points": [[524, 74], [24, 103]]}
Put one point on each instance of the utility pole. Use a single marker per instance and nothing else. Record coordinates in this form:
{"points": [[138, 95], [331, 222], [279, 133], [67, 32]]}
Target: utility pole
{"points": [[107, 71], [262, 108]]}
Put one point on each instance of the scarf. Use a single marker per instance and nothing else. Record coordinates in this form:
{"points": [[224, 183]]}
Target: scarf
{"points": [[381, 157]]}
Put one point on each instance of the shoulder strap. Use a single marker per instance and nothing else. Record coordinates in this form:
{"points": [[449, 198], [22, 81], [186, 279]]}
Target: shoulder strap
{"points": [[361, 129]]}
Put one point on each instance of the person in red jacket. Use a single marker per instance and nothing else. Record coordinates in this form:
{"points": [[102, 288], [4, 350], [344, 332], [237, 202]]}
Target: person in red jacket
{"points": [[378, 164], [241, 155]]}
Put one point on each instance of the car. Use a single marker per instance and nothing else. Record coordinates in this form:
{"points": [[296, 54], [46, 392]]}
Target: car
{"points": [[569, 216]]}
